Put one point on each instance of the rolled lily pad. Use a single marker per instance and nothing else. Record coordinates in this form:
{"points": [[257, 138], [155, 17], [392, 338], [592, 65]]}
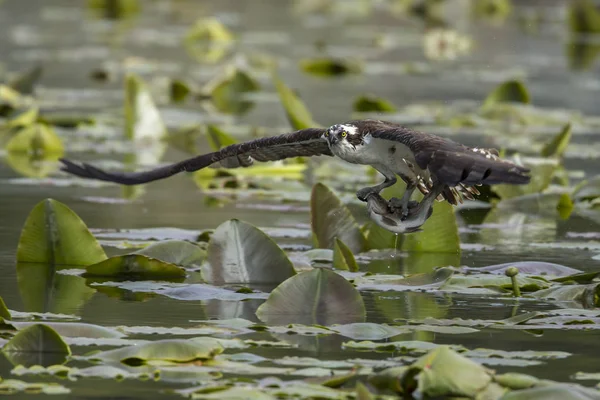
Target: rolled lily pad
{"points": [[178, 252], [241, 253], [557, 146], [331, 219], [370, 103], [330, 67], [227, 90], [143, 121], [38, 139], [319, 296], [4, 313], [36, 344], [343, 259], [173, 350], [135, 266], [295, 109], [54, 234], [508, 92], [439, 234], [443, 372]]}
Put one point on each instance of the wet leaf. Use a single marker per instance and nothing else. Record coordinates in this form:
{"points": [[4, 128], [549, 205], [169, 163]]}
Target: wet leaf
{"points": [[12, 386], [508, 92], [319, 296], [218, 138], [492, 284], [409, 346], [227, 90], [172, 350], [370, 103], [36, 344], [143, 121], [443, 372], [43, 290], [330, 67], [37, 139], [178, 252], [439, 234], [4, 313], [54, 234], [25, 82], [134, 266], [234, 393], [76, 330], [343, 259], [241, 253], [209, 29], [297, 114], [553, 391], [538, 268], [587, 295], [379, 238], [23, 118], [331, 219], [583, 17], [516, 381], [557, 146]]}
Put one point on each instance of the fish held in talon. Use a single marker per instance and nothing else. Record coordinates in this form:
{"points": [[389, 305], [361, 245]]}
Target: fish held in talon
{"points": [[425, 162], [391, 218]]}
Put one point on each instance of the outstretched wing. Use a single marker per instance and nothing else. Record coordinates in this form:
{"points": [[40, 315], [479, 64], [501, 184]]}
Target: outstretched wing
{"points": [[449, 162], [305, 142]]}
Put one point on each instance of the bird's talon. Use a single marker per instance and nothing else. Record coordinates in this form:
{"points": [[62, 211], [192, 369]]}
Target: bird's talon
{"points": [[364, 194]]}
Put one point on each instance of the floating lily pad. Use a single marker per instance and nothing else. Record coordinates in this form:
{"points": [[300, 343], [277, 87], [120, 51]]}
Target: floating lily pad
{"points": [[143, 121], [318, 296], [115, 9], [178, 252], [370, 103], [331, 219], [4, 313], [54, 234], [174, 351], [36, 344], [553, 391], [588, 190], [343, 259], [557, 146], [508, 92], [241, 253], [369, 331], [298, 115], [135, 266], [12, 386], [538, 268]]}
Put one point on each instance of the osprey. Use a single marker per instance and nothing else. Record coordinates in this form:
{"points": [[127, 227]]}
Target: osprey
{"points": [[438, 167]]}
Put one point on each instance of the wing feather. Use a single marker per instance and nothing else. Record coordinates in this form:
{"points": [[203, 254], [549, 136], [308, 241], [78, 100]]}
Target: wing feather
{"points": [[305, 142]]}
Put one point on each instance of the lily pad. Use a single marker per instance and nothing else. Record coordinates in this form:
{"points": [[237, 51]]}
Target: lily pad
{"points": [[38, 139], [588, 190], [178, 252], [143, 121], [298, 115], [36, 344], [179, 90], [512, 91], [12, 386], [370, 103], [4, 313], [369, 331], [319, 296], [54, 234], [241, 253], [331, 219], [439, 234], [135, 266], [171, 350], [343, 259], [542, 171], [557, 146]]}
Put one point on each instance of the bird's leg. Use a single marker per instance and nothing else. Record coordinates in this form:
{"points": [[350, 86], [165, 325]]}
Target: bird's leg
{"points": [[402, 203], [363, 193]]}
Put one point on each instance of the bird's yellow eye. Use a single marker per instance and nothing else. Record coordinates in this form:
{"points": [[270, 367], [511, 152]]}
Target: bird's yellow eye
{"points": [[326, 133], [344, 134]]}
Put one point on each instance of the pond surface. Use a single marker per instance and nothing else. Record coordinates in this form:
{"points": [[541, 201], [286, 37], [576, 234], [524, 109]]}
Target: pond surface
{"points": [[71, 43]]}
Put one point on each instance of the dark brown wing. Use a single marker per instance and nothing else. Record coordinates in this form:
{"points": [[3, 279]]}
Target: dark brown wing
{"points": [[305, 142], [449, 162]]}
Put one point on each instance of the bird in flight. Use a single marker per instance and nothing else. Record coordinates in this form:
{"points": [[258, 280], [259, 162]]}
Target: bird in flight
{"points": [[437, 167]]}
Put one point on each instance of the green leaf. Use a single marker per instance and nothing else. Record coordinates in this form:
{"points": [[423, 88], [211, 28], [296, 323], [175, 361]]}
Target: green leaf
{"points": [[439, 234], [178, 252], [557, 146], [330, 67], [295, 109], [12, 386], [23, 118], [4, 313], [54, 234], [319, 296], [36, 344], [583, 17], [179, 91], [142, 118], [173, 350], [38, 139], [25, 82], [218, 138], [76, 330], [233, 393], [379, 238], [241, 253], [370, 103], [330, 219], [115, 9], [343, 259], [516, 381], [227, 90], [586, 295], [587, 190], [209, 29], [443, 372], [508, 92], [553, 391], [135, 266]]}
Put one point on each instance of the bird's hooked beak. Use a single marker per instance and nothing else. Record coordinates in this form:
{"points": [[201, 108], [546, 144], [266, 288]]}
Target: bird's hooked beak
{"points": [[333, 138]]}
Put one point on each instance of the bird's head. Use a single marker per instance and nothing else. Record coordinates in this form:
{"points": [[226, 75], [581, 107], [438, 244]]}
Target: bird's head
{"points": [[346, 135]]}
